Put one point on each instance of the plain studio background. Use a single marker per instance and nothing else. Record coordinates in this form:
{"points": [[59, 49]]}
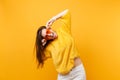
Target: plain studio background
{"points": [[95, 27]]}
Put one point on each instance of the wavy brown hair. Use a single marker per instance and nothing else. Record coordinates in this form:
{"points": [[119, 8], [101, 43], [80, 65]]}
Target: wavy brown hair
{"points": [[39, 47], [40, 55]]}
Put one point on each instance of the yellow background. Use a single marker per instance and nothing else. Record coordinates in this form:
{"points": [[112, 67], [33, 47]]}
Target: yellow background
{"points": [[95, 27]]}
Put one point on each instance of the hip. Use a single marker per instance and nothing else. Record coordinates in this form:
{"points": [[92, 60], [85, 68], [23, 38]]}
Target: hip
{"points": [[77, 73]]}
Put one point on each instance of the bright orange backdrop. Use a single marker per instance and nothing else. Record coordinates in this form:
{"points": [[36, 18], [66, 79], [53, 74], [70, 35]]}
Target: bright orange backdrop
{"points": [[95, 27]]}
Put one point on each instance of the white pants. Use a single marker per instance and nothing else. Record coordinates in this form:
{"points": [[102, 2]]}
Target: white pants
{"points": [[77, 73]]}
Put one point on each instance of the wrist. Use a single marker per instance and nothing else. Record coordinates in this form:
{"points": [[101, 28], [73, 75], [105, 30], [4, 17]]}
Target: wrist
{"points": [[54, 19]]}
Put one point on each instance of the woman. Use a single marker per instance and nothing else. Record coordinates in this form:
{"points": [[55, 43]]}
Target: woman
{"points": [[60, 45]]}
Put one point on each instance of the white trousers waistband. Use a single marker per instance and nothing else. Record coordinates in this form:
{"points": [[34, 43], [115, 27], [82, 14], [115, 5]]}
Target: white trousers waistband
{"points": [[77, 73]]}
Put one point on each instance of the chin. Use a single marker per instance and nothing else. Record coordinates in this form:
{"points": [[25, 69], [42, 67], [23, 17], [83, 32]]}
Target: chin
{"points": [[55, 36]]}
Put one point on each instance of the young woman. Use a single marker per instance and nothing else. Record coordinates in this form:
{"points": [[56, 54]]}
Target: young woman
{"points": [[59, 45]]}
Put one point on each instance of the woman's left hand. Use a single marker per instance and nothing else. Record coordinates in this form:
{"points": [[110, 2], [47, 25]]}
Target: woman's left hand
{"points": [[50, 22]]}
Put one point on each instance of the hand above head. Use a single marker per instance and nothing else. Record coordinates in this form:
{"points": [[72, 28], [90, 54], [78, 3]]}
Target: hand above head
{"points": [[50, 22]]}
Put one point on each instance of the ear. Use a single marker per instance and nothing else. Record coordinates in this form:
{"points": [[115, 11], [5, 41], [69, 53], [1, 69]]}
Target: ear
{"points": [[44, 41]]}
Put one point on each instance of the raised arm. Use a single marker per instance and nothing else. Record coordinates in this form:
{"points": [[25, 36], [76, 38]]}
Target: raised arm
{"points": [[50, 22]]}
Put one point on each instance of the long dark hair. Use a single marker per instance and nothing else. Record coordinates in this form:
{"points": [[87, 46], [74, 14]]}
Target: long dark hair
{"points": [[39, 47]]}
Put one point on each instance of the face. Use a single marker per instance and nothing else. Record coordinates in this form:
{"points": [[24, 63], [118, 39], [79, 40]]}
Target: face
{"points": [[49, 34]]}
